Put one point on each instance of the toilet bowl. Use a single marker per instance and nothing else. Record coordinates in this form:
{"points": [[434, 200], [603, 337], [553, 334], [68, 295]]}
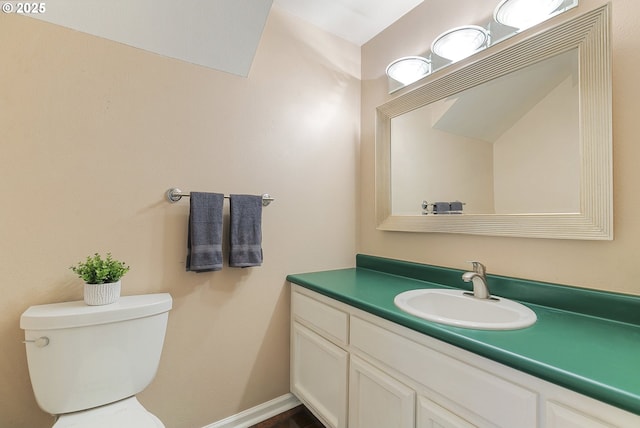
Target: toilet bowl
{"points": [[87, 363]]}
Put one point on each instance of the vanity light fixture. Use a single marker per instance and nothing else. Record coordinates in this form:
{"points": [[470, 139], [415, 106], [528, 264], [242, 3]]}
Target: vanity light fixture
{"points": [[508, 19], [460, 42], [522, 14], [409, 69]]}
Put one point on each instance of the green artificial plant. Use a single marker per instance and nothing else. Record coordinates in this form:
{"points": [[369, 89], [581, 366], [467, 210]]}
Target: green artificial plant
{"points": [[96, 270]]}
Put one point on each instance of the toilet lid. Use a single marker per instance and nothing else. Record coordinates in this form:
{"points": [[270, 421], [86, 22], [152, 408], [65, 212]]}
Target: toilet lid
{"points": [[127, 413]]}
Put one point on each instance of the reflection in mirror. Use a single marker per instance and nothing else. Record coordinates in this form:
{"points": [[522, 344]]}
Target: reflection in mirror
{"points": [[507, 146], [520, 140]]}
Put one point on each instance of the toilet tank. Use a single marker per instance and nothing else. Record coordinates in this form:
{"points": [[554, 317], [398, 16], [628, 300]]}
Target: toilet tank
{"points": [[82, 356]]}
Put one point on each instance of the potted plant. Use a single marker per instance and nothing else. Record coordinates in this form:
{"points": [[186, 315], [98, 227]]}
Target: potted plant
{"points": [[101, 277]]}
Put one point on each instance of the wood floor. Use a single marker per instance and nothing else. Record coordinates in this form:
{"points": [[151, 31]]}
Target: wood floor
{"points": [[298, 417]]}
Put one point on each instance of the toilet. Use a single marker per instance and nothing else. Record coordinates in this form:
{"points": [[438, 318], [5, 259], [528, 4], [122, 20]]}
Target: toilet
{"points": [[87, 363]]}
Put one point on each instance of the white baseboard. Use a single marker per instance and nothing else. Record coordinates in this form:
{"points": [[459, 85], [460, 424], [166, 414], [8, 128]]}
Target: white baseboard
{"points": [[258, 413]]}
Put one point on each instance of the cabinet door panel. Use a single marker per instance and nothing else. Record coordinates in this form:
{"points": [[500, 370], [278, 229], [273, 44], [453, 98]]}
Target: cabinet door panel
{"points": [[560, 416], [319, 375], [431, 415], [376, 400]]}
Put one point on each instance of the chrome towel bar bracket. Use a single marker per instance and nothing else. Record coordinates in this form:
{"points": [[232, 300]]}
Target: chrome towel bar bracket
{"points": [[174, 195]]}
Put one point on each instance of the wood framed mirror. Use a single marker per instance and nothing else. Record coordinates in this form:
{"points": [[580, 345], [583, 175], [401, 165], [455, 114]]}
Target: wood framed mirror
{"points": [[584, 208]]}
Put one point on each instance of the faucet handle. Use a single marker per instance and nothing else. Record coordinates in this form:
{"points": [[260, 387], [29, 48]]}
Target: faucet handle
{"points": [[478, 267]]}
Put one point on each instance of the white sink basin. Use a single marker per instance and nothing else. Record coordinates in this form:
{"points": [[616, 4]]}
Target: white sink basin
{"points": [[460, 309]]}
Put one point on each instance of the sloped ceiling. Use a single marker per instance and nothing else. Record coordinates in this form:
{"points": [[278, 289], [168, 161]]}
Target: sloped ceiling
{"points": [[486, 111], [219, 34]]}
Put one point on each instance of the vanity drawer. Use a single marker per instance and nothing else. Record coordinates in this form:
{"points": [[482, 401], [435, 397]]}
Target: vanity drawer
{"points": [[326, 320], [503, 403]]}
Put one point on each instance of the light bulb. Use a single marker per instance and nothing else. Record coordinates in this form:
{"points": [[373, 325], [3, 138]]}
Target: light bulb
{"points": [[409, 69], [523, 14], [460, 42]]}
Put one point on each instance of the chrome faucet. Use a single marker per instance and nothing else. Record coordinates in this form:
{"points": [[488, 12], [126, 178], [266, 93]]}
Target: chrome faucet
{"points": [[479, 279]]}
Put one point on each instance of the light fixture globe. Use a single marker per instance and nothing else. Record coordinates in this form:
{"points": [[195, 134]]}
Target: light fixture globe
{"points": [[522, 14], [409, 69], [460, 42]]}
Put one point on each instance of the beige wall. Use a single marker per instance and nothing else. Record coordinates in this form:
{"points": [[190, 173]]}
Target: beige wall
{"points": [[453, 177], [93, 132], [602, 265], [529, 160]]}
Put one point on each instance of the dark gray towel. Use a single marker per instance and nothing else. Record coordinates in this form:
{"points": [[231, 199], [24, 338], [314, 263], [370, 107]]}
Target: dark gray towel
{"points": [[204, 248], [245, 234]]}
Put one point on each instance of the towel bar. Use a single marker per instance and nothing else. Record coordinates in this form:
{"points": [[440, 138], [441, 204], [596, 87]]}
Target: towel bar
{"points": [[174, 195]]}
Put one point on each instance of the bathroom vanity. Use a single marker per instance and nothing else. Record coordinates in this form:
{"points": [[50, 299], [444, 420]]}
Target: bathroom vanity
{"points": [[358, 361]]}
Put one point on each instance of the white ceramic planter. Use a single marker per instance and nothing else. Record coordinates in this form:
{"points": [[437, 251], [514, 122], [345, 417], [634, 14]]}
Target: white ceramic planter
{"points": [[101, 294]]}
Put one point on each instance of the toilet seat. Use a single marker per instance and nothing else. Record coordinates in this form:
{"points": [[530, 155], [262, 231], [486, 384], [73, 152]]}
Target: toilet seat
{"points": [[127, 413]]}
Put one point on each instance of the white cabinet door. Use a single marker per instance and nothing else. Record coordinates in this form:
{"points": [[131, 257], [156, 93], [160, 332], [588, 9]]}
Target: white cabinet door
{"points": [[561, 416], [432, 415], [319, 375], [376, 400]]}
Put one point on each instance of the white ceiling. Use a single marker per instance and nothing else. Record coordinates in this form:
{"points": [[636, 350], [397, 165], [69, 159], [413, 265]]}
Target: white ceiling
{"points": [[357, 21]]}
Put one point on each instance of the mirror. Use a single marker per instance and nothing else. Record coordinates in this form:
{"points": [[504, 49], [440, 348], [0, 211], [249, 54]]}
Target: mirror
{"points": [[507, 146], [520, 140]]}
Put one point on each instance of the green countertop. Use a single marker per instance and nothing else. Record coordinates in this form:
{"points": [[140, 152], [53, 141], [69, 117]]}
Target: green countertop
{"points": [[587, 341]]}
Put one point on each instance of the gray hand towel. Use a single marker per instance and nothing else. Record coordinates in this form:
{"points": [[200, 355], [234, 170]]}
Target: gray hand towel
{"points": [[245, 234], [204, 248]]}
